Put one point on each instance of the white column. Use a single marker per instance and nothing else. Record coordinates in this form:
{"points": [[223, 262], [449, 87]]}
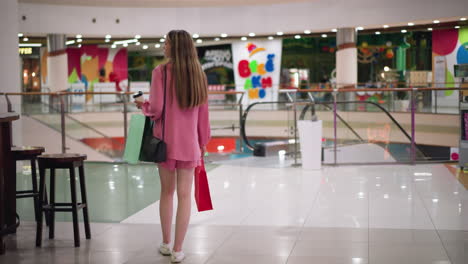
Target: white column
{"points": [[346, 61], [57, 62], [10, 61]]}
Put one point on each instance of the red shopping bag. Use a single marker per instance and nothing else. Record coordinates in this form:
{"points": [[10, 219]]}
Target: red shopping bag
{"points": [[202, 189]]}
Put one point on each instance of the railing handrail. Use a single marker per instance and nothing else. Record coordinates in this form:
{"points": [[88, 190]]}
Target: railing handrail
{"points": [[406, 89], [340, 90], [97, 93]]}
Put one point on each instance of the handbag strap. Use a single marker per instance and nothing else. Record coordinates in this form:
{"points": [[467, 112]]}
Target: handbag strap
{"points": [[164, 105]]}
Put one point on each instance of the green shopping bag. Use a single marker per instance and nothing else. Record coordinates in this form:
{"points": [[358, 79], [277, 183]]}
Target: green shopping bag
{"points": [[134, 138]]}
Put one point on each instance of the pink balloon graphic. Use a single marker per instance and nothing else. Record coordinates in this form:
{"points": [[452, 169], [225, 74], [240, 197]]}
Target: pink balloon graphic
{"points": [[444, 41]]}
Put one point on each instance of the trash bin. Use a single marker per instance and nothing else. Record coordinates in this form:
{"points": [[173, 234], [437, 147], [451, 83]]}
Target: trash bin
{"points": [[310, 137]]}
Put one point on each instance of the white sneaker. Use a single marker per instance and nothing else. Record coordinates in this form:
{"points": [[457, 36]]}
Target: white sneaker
{"points": [[164, 249], [177, 257]]}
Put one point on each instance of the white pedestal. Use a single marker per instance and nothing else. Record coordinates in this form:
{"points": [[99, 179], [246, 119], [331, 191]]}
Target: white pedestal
{"points": [[310, 136]]}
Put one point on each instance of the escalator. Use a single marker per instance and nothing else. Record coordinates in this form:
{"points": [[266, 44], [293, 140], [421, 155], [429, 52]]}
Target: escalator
{"points": [[358, 140], [80, 137]]}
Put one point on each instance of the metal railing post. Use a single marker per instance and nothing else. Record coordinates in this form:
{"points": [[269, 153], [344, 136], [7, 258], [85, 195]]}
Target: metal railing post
{"points": [[62, 123], [413, 145], [295, 134], [241, 113], [125, 113], [335, 139], [9, 107]]}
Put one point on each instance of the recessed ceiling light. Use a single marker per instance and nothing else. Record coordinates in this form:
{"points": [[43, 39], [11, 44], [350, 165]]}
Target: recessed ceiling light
{"points": [[70, 42], [107, 40], [386, 26], [199, 41], [279, 33], [138, 43], [297, 36], [463, 18], [224, 35], [114, 46], [195, 35], [79, 36], [410, 24], [79, 40], [251, 34], [29, 44], [137, 36], [270, 38], [145, 46], [307, 31], [324, 35], [20, 35], [430, 29], [359, 28], [162, 40], [404, 31], [457, 27], [108, 36], [79, 45], [334, 30], [25, 39], [436, 21], [125, 44], [216, 39], [157, 45], [377, 32], [244, 38]]}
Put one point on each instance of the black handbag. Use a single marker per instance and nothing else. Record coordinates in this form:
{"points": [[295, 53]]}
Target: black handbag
{"points": [[154, 149]]}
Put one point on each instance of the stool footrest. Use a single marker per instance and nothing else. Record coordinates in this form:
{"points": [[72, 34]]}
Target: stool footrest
{"points": [[62, 207], [25, 191], [26, 195]]}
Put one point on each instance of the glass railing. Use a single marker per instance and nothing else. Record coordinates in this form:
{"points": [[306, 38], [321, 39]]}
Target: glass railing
{"points": [[396, 134]]}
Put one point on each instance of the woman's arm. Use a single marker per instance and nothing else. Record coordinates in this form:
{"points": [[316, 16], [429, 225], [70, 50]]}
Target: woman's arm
{"points": [[203, 127], [154, 106]]}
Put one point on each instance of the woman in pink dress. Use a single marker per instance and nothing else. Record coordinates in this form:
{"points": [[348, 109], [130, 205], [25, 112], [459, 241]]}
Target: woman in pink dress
{"points": [[187, 131]]}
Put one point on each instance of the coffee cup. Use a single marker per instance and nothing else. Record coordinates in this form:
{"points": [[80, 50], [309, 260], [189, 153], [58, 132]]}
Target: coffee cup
{"points": [[138, 97]]}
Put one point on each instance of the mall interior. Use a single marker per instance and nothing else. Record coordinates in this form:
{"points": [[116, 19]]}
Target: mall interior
{"points": [[339, 131]]}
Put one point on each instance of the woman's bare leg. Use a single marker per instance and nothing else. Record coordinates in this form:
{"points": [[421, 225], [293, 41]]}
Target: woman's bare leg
{"points": [[168, 183], [184, 198]]}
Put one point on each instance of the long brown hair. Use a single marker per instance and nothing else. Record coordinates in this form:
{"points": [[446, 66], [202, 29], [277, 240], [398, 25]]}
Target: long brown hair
{"points": [[188, 76]]}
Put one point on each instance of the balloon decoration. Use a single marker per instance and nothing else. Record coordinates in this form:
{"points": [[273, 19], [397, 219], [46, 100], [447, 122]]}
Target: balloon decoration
{"points": [[368, 54], [389, 54]]}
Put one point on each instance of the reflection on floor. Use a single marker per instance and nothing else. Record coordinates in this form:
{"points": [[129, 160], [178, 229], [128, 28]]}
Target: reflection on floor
{"points": [[280, 214], [115, 191]]}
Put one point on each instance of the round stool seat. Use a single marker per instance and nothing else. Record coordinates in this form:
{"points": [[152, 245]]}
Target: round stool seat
{"points": [[62, 157], [26, 151]]}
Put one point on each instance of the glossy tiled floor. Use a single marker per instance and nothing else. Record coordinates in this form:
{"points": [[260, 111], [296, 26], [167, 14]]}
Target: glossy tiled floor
{"points": [[115, 191], [278, 214]]}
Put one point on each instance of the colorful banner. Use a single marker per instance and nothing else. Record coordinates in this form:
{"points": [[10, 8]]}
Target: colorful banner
{"points": [[449, 47], [257, 69], [91, 64]]}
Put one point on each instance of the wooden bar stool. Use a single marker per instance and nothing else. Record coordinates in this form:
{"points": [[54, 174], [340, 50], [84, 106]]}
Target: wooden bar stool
{"points": [[70, 162], [31, 154]]}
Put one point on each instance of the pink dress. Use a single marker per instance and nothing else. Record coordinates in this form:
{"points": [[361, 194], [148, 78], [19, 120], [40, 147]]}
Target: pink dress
{"points": [[186, 130]]}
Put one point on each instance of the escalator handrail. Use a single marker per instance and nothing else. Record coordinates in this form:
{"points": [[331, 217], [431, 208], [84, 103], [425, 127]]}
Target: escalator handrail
{"points": [[301, 117], [244, 119], [247, 110], [81, 124]]}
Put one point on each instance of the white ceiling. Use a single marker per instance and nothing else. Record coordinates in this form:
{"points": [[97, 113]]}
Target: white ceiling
{"points": [[162, 3], [291, 16]]}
